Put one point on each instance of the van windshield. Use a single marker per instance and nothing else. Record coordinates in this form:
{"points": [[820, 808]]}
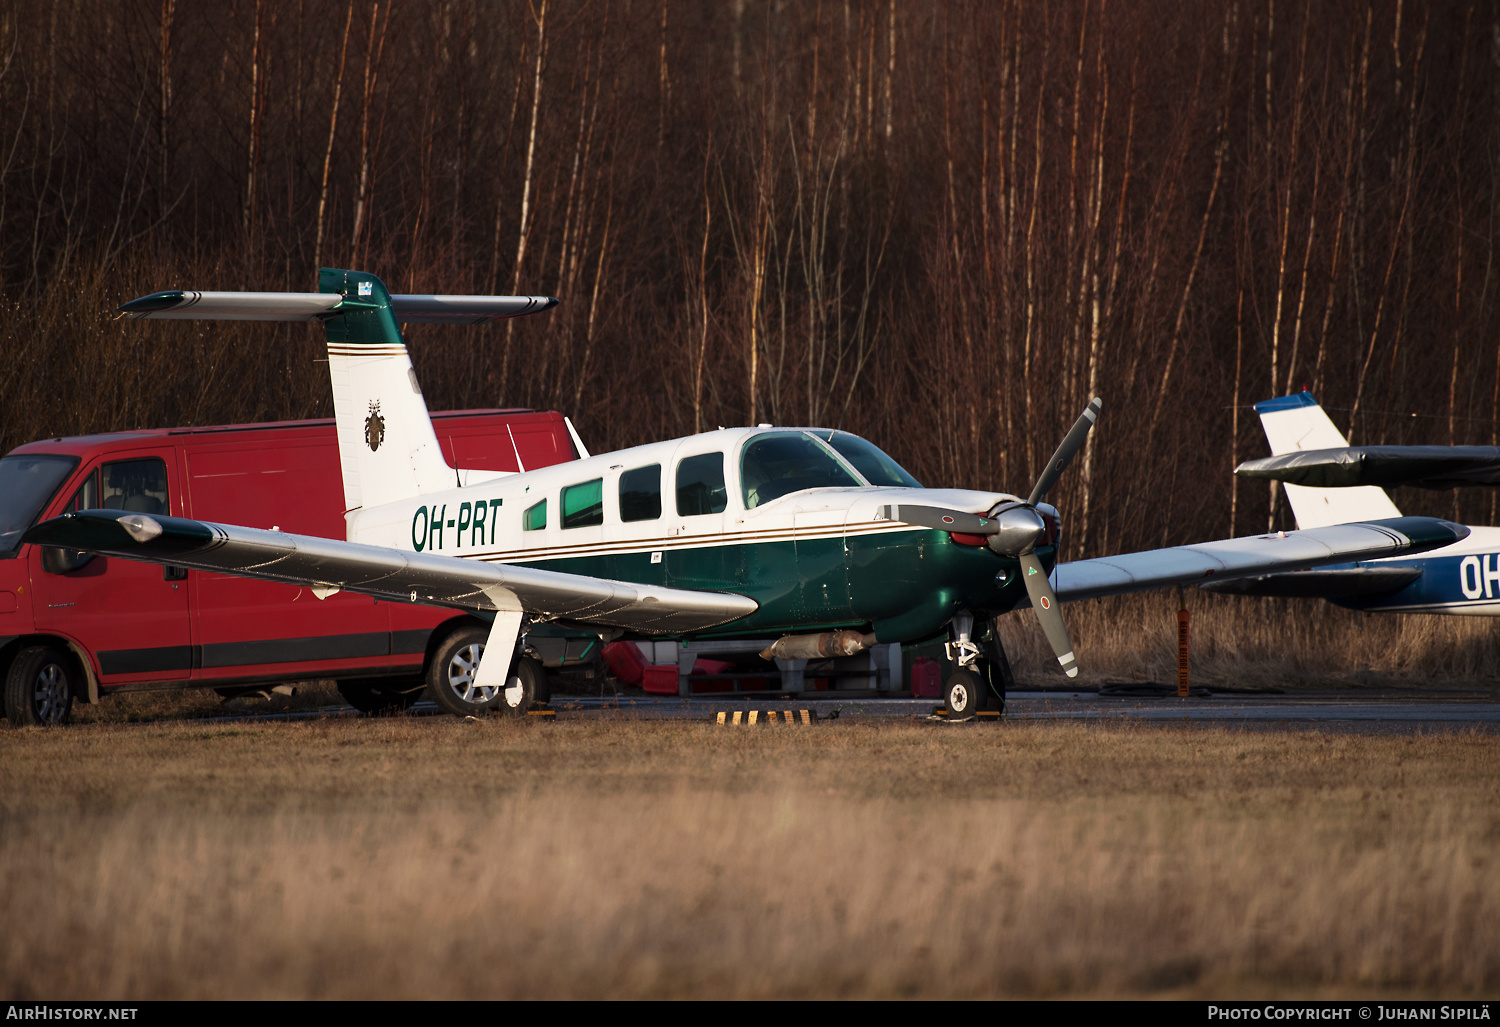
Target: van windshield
{"points": [[26, 484]]}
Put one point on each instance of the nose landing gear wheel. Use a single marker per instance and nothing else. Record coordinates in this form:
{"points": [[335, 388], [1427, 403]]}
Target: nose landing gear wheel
{"points": [[964, 695]]}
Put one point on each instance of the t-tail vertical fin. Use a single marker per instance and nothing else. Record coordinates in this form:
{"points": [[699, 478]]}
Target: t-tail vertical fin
{"points": [[387, 447], [1295, 424]]}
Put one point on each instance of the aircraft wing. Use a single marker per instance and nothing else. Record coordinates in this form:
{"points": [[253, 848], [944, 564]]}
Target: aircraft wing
{"points": [[390, 573], [1252, 555], [1428, 467]]}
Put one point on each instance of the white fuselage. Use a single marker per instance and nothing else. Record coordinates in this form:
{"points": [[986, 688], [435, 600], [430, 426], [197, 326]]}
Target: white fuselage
{"points": [[487, 520]]}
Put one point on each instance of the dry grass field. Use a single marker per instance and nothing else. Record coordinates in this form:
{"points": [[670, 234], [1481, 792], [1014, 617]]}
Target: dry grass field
{"points": [[428, 857]]}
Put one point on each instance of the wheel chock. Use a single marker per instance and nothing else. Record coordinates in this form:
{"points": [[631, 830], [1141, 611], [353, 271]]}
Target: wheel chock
{"points": [[940, 713], [767, 717]]}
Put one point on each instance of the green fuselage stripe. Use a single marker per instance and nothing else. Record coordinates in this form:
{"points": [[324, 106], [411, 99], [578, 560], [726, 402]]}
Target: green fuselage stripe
{"points": [[815, 584]]}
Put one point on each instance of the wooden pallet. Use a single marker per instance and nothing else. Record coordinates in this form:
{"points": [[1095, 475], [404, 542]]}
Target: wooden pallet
{"points": [[767, 717]]}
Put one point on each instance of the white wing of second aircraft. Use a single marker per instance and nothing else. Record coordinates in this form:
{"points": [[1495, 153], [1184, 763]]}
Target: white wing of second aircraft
{"points": [[1252, 555]]}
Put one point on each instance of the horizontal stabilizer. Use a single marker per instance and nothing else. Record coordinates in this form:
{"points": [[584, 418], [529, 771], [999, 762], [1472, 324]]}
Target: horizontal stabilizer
{"points": [[320, 306], [390, 573], [466, 310], [1326, 583], [1428, 467], [1253, 555]]}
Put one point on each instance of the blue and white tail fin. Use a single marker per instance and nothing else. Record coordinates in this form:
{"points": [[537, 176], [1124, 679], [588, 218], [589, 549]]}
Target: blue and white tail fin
{"points": [[387, 447], [1296, 424]]}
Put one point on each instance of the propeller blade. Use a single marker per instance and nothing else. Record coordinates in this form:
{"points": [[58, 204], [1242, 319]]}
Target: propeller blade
{"points": [[1071, 444], [947, 520], [1044, 602]]}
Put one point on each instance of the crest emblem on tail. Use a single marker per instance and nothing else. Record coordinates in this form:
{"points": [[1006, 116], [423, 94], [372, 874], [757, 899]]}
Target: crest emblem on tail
{"points": [[374, 426]]}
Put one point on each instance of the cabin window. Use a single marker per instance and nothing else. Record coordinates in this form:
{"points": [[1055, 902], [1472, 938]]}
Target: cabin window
{"points": [[640, 494], [583, 505], [535, 517], [875, 465], [700, 485], [779, 463]]}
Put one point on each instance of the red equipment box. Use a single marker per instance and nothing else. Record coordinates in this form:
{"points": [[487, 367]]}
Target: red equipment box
{"points": [[926, 679], [628, 665]]}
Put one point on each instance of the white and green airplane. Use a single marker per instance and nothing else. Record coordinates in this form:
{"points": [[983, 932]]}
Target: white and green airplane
{"points": [[811, 536]]}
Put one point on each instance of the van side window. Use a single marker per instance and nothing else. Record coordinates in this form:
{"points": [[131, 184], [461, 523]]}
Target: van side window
{"points": [[583, 504], [700, 485], [640, 494], [138, 486], [535, 517]]}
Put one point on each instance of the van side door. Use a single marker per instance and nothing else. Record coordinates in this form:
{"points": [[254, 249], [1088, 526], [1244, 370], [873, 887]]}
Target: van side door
{"points": [[133, 618], [251, 629]]}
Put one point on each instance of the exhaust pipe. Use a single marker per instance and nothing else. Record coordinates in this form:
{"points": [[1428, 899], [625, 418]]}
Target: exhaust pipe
{"points": [[817, 647]]}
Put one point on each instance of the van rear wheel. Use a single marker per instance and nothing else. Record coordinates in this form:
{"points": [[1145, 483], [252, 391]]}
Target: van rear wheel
{"points": [[451, 674], [381, 697], [39, 687]]}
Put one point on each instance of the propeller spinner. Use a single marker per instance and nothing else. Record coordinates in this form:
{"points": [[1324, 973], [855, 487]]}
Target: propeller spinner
{"points": [[1014, 530]]}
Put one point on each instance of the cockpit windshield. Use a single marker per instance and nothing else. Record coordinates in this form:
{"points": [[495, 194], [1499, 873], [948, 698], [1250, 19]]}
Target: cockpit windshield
{"points": [[26, 483], [869, 461], [779, 463]]}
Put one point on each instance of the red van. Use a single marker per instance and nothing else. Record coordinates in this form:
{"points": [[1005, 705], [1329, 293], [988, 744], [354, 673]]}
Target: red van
{"points": [[79, 626]]}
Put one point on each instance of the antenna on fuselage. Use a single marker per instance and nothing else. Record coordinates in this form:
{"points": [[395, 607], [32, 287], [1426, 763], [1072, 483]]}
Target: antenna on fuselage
{"points": [[514, 449], [578, 446]]}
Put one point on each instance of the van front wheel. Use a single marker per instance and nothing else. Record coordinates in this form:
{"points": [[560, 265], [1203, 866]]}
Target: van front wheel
{"points": [[39, 687]]}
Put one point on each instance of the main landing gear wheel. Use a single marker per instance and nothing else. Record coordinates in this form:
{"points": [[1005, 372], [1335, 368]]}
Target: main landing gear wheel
{"points": [[39, 687], [964, 694], [381, 697], [450, 676], [526, 688]]}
